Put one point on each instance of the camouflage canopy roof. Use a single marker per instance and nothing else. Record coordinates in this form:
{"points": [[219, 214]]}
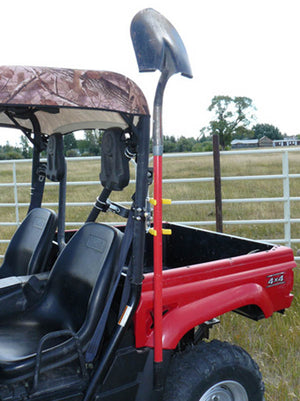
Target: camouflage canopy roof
{"points": [[66, 100]]}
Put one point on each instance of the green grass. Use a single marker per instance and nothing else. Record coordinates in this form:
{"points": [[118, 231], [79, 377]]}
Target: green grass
{"points": [[275, 342]]}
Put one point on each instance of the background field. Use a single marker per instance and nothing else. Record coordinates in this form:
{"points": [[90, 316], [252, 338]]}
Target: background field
{"points": [[274, 343]]}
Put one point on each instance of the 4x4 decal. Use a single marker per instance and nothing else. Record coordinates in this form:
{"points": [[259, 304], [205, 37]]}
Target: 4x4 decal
{"points": [[276, 279]]}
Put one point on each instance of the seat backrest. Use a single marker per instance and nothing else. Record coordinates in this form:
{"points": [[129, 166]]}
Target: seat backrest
{"points": [[31, 244], [80, 280]]}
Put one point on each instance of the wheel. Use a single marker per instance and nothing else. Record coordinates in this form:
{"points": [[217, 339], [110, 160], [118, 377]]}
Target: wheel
{"points": [[214, 371]]}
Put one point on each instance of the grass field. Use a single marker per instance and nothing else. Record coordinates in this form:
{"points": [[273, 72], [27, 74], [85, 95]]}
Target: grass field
{"points": [[274, 343]]}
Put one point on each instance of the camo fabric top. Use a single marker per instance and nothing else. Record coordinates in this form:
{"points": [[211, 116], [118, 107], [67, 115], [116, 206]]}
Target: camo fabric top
{"points": [[70, 88]]}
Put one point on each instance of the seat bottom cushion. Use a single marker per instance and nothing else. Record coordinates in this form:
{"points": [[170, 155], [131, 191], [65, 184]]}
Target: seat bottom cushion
{"points": [[20, 338]]}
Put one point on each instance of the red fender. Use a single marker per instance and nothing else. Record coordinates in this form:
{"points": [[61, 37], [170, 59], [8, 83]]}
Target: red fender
{"points": [[178, 321], [194, 294]]}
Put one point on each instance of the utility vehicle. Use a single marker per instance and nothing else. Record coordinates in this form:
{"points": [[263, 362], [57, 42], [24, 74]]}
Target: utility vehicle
{"points": [[122, 313]]}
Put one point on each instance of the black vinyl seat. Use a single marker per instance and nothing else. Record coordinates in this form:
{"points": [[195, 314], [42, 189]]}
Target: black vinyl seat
{"points": [[74, 298], [30, 246]]}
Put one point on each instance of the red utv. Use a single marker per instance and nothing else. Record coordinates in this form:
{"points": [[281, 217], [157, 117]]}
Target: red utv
{"points": [[124, 311]]}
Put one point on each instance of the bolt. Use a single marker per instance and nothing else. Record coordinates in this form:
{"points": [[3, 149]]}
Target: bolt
{"points": [[214, 398]]}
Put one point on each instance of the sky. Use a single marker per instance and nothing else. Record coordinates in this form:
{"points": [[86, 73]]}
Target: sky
{"points": [[236, 48]]}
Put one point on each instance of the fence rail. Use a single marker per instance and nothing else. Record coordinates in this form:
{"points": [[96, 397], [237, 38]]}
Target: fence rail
{"points": [[286, 176], [285, 199]]}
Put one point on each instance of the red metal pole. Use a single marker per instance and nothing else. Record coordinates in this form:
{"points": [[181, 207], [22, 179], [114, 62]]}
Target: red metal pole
{"points": [[157, 220]]}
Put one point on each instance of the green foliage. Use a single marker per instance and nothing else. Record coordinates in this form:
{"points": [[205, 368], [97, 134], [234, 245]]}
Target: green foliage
{"points": [[93, 138], [8, 152], [83, 146], [229, 115], [205, 146], [185, 144], [11, 155], [70, 143], [26, 147], [169, 144], [242, 132], [71, 153], [268, 130], [182, 144]]}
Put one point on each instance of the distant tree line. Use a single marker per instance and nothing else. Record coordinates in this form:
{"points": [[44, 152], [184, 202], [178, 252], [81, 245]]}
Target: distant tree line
{"points": [[184, 144], [90, 145]]}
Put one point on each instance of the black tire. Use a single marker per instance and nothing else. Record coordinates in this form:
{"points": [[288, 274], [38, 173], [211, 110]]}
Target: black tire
{"points": [[214, 371]]}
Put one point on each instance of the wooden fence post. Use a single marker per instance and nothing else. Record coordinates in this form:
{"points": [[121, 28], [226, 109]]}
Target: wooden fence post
{"points": [[217, 180]]}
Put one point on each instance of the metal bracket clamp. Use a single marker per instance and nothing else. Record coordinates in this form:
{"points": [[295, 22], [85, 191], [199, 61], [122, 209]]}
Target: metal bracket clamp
{"points": [[117, 209], [102, 206], [140, 214]]}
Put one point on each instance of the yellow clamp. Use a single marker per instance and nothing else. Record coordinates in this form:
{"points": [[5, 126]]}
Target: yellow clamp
{"points": [[165, 231], [152, 232], [153, 201], [164, 201]]}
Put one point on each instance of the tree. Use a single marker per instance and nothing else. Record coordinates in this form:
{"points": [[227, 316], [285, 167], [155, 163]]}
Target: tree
{"points": [[185, 144], [93, 138], [83, 146], [169, 144], [242, 132], [230, 114], [206, 146], [70, 143], [205, 135], [268, 130], [8, 152], [26, 147]]}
